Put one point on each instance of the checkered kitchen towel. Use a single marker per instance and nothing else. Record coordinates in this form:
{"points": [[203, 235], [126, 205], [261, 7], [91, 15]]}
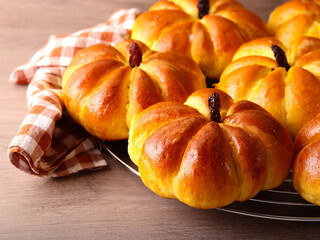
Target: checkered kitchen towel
{"points": [[48, 142]]}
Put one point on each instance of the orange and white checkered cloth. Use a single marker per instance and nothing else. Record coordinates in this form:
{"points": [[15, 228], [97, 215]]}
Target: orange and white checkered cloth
{"points": [[48, 142]]}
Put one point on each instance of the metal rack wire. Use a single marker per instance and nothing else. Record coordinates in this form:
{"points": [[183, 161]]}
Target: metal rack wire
{"points": [[282, 203]]}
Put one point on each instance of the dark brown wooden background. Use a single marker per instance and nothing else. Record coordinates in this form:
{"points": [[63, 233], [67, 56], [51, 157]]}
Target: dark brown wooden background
{"points": [[111, 203]]}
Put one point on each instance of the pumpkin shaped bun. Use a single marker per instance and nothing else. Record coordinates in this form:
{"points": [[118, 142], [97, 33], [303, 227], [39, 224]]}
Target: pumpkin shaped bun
{"points": [[294, 19], [209, 31], [306, 166], [284, 82], [210, 151], [104, 86]]}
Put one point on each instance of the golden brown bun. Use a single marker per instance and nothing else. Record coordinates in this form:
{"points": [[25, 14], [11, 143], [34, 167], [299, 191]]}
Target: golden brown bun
{"points": [[291, 96], [306, 166], [295, 19], [211, 41], [183, 154], [102, 92], [302, 46]]}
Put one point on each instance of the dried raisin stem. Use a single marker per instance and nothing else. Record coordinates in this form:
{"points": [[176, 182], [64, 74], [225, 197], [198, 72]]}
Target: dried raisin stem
{"points": [[203, 8], [280, 56], [135, 55], [214, 106]]}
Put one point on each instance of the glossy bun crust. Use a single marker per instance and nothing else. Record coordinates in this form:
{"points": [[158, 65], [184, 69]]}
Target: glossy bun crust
{"points": [[182, 154], [211, 41], [306, 166], [291, 96], [294, 19], [102, 92]]}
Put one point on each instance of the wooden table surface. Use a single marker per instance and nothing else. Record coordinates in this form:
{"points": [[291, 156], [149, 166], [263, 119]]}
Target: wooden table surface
{"points": [[107, 204]]}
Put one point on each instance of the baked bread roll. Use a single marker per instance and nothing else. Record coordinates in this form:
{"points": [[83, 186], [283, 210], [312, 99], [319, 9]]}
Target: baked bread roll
{"points": [[306, 166], [104, 86], [209, 155], [208, 31], [294, 19], [287, 86]]}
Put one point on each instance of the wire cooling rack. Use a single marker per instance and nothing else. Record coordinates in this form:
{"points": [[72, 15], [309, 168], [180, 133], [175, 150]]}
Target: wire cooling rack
{"points": [[282, 203]]}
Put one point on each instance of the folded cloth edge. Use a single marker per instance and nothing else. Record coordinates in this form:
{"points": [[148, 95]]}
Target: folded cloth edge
{"points": [[121, 22]]}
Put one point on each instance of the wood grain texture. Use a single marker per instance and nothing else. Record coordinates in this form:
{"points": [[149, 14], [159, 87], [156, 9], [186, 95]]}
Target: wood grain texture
{"points": [[107, 204]]}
